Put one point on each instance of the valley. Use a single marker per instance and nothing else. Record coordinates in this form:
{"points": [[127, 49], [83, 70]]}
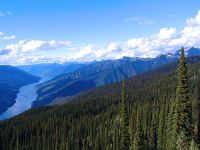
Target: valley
{"points": [[99, 75], [92, 119], [26, 95], [60, 89], [11, 80]]}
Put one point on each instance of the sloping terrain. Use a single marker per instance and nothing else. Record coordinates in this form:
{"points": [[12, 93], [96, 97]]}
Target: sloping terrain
{"points": [[99, 74], [95, 75], [91, 120], [11, 79]]}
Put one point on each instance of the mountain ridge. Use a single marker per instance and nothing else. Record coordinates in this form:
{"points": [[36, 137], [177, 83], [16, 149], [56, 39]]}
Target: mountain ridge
{"points": [[93, 118], [102, 73]]}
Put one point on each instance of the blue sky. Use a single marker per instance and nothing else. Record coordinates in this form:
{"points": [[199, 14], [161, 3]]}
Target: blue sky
{"points": [[34, 31]]}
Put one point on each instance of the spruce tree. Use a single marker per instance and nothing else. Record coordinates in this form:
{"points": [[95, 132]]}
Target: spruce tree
{"points": [[171, 133], [197, 116], [183, 107], [125, 137], [161, 128], [138, 143], [153, 133]]}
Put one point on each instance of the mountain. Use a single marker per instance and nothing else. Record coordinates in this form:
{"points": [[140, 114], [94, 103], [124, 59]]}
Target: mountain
{"points": [[11, 79], [50, 70], [190, 51], [99, 74], [92, 119], [94, 75]]}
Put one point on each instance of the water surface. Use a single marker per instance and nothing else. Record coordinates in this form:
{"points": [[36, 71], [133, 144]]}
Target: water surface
{"points": [[26, 95]]}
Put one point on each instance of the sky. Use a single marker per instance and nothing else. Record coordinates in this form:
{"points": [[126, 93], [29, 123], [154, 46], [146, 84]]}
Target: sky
{"points": [[35, 31]]}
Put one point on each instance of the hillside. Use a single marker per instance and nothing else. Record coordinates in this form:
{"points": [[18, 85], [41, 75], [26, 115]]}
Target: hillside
{"points": [[95, 75], [11, 79], [91, 120], [99, 74]]}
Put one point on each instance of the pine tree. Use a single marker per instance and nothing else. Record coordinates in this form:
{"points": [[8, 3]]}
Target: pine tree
{"points": [[138, 137], [153, 133], [197, 117], [183, 107], [161, 128], [125, 137], [171, 134]]}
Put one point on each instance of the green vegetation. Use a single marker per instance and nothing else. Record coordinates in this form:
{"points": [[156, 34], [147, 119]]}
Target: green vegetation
{"points": [[105, 118], [183, 113], [125, 137]]}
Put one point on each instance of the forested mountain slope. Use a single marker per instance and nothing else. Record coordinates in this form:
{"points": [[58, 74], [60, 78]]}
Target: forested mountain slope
{"points": [[95, 75], [99, 74], [11, 79], [92, 120]]}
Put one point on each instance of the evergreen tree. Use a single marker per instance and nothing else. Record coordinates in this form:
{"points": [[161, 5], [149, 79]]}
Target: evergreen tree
{"points": [[197, 117], [125, 137], [138, 137], [153, 133], [171, 133], [161, 128], [184, 107], [93, 121]]}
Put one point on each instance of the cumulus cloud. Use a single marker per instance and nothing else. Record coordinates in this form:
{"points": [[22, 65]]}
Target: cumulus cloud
{"points": [[26, 46], [3, 36], [165, 40], [139, 20], [166, 33], [190, 35], [94, 52], [152, 46]]}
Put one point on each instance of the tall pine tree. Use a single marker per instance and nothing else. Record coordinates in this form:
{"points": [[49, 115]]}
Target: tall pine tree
{"points": [[183, 107], [197, 116], [138, 143], [153, 133], [125, 136], [161, 128]]}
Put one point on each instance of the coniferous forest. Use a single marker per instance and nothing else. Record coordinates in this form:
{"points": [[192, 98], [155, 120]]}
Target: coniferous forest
{"points": [[156, 110]]}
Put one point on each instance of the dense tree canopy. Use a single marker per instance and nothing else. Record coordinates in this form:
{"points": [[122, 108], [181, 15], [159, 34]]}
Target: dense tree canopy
{"points": [[96, 119]]}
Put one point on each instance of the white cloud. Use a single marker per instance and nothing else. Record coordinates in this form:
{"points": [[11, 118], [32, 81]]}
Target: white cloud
{"points": [[139, 20], [165, 40], [3, 36], [190, 35], [166, 33], [94, 52], [152, 46], [26, 46]]}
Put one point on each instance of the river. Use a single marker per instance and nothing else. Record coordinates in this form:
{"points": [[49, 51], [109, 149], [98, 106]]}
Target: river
{"points": [[26, 95]]}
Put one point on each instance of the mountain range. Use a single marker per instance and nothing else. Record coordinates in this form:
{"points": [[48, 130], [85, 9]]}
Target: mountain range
{"points": [[64, 87], [92, 119]]}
